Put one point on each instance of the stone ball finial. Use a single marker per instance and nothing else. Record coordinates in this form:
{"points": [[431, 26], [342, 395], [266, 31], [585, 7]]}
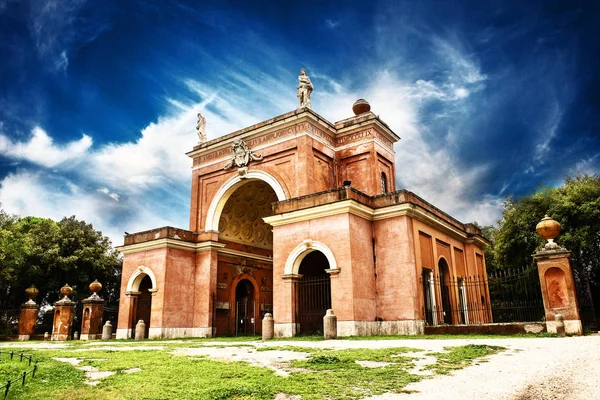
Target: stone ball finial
{"points": [[361, 106], [548, 229], [95, 286]]}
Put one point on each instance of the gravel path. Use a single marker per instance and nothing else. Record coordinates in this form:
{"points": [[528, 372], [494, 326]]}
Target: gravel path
{"points": [[540, 369]]}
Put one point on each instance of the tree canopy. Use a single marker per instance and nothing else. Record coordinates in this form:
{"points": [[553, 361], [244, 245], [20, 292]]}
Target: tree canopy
{"points": [[49, 254]]}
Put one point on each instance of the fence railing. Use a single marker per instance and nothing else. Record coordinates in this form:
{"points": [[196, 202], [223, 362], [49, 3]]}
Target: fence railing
{"points": [[504, 296], [516, 295], [21, 378]]}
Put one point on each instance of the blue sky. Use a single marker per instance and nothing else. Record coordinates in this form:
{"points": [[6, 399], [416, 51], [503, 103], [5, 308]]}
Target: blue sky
{"points": [[98, 98]]}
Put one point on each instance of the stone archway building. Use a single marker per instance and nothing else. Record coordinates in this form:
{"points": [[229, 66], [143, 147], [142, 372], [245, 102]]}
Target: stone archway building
{"points": [[265, 197]]}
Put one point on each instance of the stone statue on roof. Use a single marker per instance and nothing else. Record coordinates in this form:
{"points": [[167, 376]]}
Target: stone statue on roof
{"points": [[305, 88], [201, 129]]}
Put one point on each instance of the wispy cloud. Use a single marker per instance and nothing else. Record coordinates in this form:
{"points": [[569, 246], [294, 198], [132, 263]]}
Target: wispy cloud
{"points": [[40, 149]]}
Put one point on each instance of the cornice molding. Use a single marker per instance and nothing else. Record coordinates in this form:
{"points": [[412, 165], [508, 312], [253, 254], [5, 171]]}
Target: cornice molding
{"points": [[244, 254], [167, 243]]}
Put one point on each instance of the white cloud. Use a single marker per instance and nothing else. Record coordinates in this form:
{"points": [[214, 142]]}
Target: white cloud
{"points": [[41, 149], [51, 196]]}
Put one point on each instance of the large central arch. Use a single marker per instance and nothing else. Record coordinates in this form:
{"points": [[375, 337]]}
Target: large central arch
{"points": [[223, 194]]}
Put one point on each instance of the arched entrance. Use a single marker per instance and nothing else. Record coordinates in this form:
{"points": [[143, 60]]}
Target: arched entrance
{"points": [[143, 305], [445, 290], [244, 267], [313, 293], [245, 308]]}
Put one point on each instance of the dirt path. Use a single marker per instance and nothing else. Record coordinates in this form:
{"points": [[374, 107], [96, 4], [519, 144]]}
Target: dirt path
{"points": [[540, 369]]}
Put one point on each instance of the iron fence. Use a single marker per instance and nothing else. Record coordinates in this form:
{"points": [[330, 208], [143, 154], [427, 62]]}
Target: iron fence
{"points": [[503, 296], [22, 377], [516, 295]]}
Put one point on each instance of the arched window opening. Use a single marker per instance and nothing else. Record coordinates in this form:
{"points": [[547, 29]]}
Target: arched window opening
{"points": [[383, 183]]}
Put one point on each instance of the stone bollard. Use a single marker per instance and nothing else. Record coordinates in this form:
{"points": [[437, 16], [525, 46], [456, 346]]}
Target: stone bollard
{"points": [[76, 336], [560, 325], [330, 325], [140, 330], [107, 331], [46, 336], [268, 327]]}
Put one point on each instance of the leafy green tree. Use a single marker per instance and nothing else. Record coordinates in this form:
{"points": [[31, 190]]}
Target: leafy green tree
{"points": [[49, 254]]}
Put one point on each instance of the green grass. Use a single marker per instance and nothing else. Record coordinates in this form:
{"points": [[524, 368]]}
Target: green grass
{"points": [[460, 357], [325, 374]]}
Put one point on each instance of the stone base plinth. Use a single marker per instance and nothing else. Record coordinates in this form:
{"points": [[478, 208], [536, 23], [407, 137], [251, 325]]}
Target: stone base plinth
{"points": [[376, 328], [572, 327], [168, 333], [361, 328]]}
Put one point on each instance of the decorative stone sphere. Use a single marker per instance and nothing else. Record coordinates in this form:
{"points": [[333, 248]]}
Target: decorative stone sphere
{"points": [[66, 290], [32, 292], [361, 106], [548, 228], [95, 286]]}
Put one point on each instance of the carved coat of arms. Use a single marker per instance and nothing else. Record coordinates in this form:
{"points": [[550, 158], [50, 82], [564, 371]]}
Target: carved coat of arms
{"points": [[242, 155]]}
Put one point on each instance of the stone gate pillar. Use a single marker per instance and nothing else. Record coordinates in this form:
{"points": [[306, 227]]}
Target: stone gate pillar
{"points": [[93, 311], [556, 278], [29, 313], [64, 311]]}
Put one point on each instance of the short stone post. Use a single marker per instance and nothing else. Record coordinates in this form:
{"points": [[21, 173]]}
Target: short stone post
{"points": [[140, 330], [29, 313], [64, 311], [560, 325], [556, 278], [91, 321], [330, 325], [268, 327], [107, 330], [46, 336], [76, 336]]}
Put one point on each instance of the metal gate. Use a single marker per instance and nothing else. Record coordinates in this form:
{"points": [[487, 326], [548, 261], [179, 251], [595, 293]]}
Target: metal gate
{"points": [[515, 295], [314, 298], [245, 318]]}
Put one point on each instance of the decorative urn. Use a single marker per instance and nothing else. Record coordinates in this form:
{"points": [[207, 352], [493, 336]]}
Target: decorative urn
{"points": [[95, 286], [66, 291], [361, 106], [32, 293], [548, 229]]}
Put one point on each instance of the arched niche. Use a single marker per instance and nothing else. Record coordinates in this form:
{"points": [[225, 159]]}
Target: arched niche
{"points": [[556, 285]]}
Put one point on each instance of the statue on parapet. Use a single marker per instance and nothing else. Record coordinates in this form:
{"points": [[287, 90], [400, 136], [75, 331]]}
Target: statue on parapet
{"points": [[201, 129], [305, 88]]}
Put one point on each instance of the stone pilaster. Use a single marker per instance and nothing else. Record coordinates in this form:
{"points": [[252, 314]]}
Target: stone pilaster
{"points": [[64, 311], [93, 311], [27, 320], [558, 289], [29, 313], [91, 321]]}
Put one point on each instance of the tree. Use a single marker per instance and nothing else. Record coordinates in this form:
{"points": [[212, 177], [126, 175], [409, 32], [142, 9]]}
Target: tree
{"points": [[49, 254]]}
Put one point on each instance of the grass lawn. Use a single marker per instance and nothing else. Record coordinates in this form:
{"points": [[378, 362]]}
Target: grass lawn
{"points": [[167, 372]]}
